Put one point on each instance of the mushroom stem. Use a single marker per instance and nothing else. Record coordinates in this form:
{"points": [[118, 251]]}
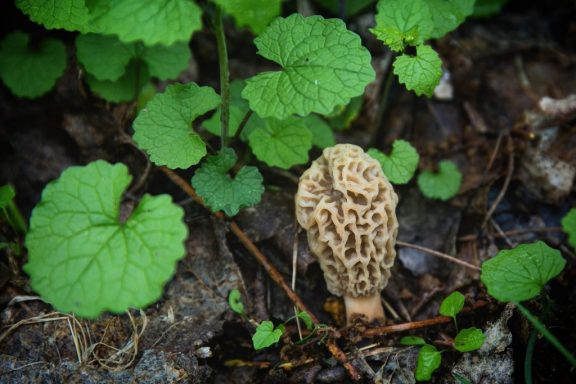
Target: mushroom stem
{"points": [[369, 306]]}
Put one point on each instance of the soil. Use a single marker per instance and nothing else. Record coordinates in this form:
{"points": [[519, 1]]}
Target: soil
{"points": [[517, 155]]}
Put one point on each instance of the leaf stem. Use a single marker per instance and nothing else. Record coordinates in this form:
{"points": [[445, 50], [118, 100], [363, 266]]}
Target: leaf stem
{"points": [[224, 76], [242, 125], [546, 333]]}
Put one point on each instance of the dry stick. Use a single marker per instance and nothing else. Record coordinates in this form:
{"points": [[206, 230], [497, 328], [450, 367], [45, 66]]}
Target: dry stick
{"points": [[506, 183], [270, 269], [378, 331], [439, 254], [513, 232]]}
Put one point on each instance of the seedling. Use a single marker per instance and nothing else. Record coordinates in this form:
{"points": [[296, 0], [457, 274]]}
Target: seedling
{"points": [[404, 24], [266, 334], [467, 340]]}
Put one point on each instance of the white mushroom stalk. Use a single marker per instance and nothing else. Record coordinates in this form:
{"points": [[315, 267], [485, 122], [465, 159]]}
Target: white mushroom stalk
{"points": [[348, 208]]}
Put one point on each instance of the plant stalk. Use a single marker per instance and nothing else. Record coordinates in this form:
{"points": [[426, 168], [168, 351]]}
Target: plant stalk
{"points": [[224, 76], [546, 333]]}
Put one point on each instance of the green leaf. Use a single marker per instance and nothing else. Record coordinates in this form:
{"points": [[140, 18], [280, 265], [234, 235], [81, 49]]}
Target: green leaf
{"points": [[71, 15], [7, 194], [126, 88], [420, 73], [254, 14], [167, 62], [323, 65], [85, 257], [400, 166], [235, 301], [469, 339], [281, 143], [447, 15], [452, 304], [343, 116], [305, 317], [104, 57], [520, 273], [441, 185], [352, 7], [428, 361], [164, 128], [153, 22], [486, 8], [221, 192], [412, 340], [400, 23], [266, 335], [569, 226], [238, 109], [31, 72], [322, 135]]}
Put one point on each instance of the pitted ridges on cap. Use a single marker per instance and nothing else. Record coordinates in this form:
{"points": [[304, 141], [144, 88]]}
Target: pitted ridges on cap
{"points": [[348, 206]]}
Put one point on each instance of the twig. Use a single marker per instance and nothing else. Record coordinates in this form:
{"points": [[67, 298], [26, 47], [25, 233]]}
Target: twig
{"points": [[378, 331], [439, 254], [513, 232], [270, 269], [506, 183]]}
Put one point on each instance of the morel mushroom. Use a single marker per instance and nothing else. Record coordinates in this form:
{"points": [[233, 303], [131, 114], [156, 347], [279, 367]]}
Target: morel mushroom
{"points": [[348, 208]]}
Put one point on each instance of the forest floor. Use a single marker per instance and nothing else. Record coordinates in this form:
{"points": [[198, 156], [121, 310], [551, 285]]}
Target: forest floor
{"points": [[517, 154]]}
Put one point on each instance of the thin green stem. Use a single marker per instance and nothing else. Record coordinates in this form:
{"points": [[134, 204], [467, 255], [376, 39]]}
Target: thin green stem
{"points": [[224, 76], [242, 125], [547, 334]]}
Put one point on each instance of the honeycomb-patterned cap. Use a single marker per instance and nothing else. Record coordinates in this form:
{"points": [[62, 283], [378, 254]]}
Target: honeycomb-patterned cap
{"points": [[348, 208]]}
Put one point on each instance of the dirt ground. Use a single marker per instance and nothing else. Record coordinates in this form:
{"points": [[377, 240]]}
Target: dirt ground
{"points": [[517, 154]]}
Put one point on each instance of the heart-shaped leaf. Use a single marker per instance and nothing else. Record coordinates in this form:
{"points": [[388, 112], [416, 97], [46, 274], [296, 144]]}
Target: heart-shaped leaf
{"points": [[85, 257]]}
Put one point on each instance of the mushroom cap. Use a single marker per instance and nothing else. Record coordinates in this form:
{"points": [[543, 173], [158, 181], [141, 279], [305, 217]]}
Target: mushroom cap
{"points": [[348, 208]]}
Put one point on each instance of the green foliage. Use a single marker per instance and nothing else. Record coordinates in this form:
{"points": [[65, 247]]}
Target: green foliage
{"points": [[469, 339], [412, 340], [166, 21], [322, 135], [401, 164], [7, 194], [222, 192], [344, 115], [323, 65], [85, 257], [569, 226], [452, 304], [443, 184], [352, 7], [266, 335], [461, 379], [428, 361], [31, 72], [400, 23], [126, 88], [520, 273], [305, 317], [486, 8], [254, 14], [11, 215], [281, 143], [113, 66], [235, 302], [72, 15], [163, 128], [447, 15], [420, 73], [237, 110], [105, 57]]}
